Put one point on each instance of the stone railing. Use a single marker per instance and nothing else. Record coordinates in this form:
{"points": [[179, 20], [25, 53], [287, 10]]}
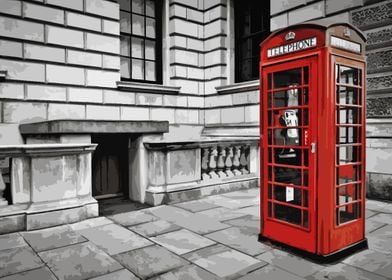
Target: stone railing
{"points": [[222, 161], [179, 171], [42, 185]]}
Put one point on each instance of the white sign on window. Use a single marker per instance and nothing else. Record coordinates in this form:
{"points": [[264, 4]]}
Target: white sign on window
{"points": [[345, 44], [289, 194]]}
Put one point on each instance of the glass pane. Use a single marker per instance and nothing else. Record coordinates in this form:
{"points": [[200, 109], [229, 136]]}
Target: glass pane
{"points": [[269, 209], [125, 5], [287, 214], [288, 175], [347, 96], [150, 50], [125, 22], [288, 194], [347, 115], [150, 8], [138, 6], [124, 46], [150, 71], [137, 48], [245, 69], [137, 25], [348, 213], [287, 78], [125, 67], [287, 98], [348, 134], [286, 136], [137, 69], [306, 219], [347, 194], [288, 156], [306, 75], [348, 154], [269, 81], [347, 174], [150, 27], [270, 118], [348, 75], [269, 191]]}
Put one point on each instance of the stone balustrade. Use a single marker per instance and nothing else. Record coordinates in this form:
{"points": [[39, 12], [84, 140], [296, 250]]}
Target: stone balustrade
{"points": [[179, 171]]}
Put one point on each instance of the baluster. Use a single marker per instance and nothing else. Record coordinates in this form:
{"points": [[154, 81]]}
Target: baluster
{"points": [[236, 161], [229, 161], [221, 162], [244, 161], [212, 163], [204, 164]]}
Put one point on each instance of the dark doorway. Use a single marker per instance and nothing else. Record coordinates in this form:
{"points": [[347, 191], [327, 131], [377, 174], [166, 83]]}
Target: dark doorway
{"points": [[110, 165]]}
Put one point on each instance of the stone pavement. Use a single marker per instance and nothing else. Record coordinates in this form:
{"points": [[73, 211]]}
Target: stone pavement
{"points": [[210, 238]]}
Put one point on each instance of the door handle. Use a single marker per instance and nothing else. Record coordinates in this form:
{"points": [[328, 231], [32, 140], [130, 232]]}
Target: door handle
{"points": [[313, 147]]}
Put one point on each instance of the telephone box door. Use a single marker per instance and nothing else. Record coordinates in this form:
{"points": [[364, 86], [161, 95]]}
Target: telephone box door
{"points": [[289, 152]]}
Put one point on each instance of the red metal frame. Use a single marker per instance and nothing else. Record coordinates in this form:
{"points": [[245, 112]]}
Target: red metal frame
{"points": [[325, 232]]}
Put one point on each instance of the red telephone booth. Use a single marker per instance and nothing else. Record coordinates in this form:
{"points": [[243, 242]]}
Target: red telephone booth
{"points": [[312, 120]]}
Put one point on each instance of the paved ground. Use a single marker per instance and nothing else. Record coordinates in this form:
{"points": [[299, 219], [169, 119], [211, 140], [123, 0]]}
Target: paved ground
{"points": [[211, 238]]}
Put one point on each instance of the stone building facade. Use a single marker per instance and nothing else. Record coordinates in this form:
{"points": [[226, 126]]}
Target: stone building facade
{"points": [[155, 100]]}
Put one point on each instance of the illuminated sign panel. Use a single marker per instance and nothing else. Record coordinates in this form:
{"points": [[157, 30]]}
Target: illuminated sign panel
{"points": [[345, 44], [292, 47]]}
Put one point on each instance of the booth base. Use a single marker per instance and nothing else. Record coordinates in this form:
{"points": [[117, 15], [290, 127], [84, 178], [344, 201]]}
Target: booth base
{"points": [[330, 258]]}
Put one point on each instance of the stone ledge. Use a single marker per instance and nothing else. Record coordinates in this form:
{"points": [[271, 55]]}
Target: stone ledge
{"points": [[93, 126], [140, 87], [239, 87], [44, 149], [200, 143], [3, 75]]}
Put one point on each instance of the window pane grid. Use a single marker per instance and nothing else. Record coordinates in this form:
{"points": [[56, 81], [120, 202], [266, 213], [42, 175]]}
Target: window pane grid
{"points": [[140, 41]]}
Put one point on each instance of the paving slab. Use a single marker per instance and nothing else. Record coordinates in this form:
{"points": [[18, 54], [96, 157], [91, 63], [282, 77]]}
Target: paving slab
{"points": [[122, 274], [233, 202], [224, 261], [371, 225], [150, 261], [290, 263], [248, 193], [90, 223], [382, 218], [379, 206], [154, 228], [79, 261], [250, 224], [196, 205], [11, 240], [132, 218], [182, 241], [114, 239], [221, 214], [380, 240], [250, 210], [375, 262], [240, 240], [17, 260], [189, 272], [369, 213], [50, 238], [42, 273], [270, 272], [343, 272], [192, 221]]}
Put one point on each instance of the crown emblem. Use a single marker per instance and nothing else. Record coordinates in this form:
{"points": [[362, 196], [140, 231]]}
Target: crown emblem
{"points": [[289, 36]]}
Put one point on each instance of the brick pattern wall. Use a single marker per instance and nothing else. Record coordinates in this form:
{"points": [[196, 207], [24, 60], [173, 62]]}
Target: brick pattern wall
{"points": [[62, 61]]}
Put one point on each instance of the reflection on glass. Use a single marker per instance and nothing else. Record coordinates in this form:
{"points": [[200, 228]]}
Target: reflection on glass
{"points": [[288, 156], [137, 48], [137, 69], [347, 174], [288, 175], [125, 5], [347, 115], [150, 8], [150, 71], [347, 75], [125, 22], [287, 78], [348, 154], [348, 213], [150, 50], [138, 6], [125, 67], [347, 194], [137, 25], [348, 134], [124, 46], [150, 27], [347, 96]]}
